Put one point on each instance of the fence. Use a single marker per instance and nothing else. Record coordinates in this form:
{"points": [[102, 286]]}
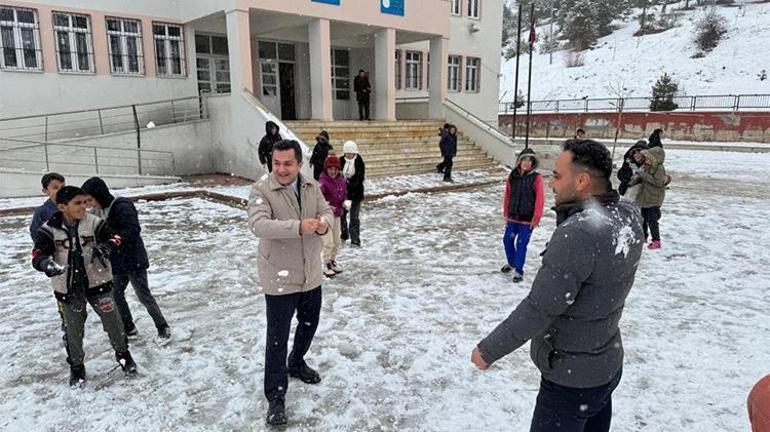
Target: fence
{"points": [[77, 124], [684, 103]]}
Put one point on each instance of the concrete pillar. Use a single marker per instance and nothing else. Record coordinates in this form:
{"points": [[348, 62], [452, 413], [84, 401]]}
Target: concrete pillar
{"points": [[319, 35], [438, 77], [385, 73], [239, 48]]}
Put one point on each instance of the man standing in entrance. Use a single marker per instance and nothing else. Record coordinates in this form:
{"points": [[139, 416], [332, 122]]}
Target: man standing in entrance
{"points": [[288, 213], [572, 311], [363, 89]]}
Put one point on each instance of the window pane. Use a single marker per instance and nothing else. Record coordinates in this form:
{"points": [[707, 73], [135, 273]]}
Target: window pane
{"points": [[269, 90], [223, 88], [286, 52], [223, 76], [222, 65], [267, 50], [25, 16], [341, 58], [219, 45], [6, 14], [174, 31], [158, 30], [9, 53], [176, 58], [133, 54], [113, 25], [117, 55], [82, 49], [28, 42], [80, 22], [204, 75], [202, 44], [160, 57], [342, 72], [268, 68], [131, 26], [61, 20], [268, 79], [65, 57], [202, 63], [204, 86], [343, 94]]}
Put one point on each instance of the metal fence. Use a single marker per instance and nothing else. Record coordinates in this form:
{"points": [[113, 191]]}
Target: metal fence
{"points": [[78, 124], [683, 103]]}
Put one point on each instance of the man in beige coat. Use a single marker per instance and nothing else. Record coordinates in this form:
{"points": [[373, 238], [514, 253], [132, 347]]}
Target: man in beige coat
{"points": [[288, 213]]}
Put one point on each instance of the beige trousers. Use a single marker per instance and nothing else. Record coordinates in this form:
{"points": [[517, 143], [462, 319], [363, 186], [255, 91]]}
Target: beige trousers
{"points": [[332, 240]]}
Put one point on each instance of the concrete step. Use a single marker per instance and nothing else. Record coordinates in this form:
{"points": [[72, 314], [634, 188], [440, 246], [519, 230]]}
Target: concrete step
{"points": [[424, 169], [415, 152], [406, 161]]}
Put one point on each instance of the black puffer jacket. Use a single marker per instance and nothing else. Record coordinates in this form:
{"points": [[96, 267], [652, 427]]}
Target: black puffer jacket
{"points": [[266, 145], [355, 183], [320, 153]]}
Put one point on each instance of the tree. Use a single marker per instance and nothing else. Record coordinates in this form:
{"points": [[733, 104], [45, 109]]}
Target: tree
{"points": [[509, 26], [709, 30], [663, 93]]}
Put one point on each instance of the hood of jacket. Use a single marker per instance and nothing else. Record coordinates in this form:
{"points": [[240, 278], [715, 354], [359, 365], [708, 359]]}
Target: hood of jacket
{"points": [[97, 188], [271, 124], [658, 155], [531, 153]]}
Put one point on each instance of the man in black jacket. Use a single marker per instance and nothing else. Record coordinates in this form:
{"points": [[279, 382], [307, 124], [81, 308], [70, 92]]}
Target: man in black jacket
{"points": [[272, 136], [363, 89], [130, 263], [573, 309]]}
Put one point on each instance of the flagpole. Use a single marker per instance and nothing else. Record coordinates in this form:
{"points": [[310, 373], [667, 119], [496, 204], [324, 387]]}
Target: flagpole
{"points": [[532, 38], [516, 76]]}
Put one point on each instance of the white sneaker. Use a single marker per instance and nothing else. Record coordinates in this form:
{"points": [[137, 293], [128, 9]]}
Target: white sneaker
{"points": [[336, 267], [328, 271]]}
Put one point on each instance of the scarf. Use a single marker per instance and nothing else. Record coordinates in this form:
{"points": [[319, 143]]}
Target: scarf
{"points": [[349, 170]]}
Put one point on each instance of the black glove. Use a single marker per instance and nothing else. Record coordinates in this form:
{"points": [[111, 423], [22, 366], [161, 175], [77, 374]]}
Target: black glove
{"points": [[102, 253], [51, 268]]}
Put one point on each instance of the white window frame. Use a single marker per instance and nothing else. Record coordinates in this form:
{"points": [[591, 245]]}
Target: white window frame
{"points": [[472, 75], [217, 83], [474, 9], [123, 36], [72, 33], [455, 64], [167, 59], [18, 42], [336, 78], [413, 72], [455, 7]]}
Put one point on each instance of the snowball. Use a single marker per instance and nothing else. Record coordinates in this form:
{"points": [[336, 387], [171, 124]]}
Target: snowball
{"points": [[283, 273]]}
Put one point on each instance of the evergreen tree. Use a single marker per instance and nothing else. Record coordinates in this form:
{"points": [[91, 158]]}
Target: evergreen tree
{"points": [[663, 93]]}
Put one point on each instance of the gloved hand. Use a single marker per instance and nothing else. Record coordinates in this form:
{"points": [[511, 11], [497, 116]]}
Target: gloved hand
{"points": [[346, 204], [102, 253], [51, 268]]}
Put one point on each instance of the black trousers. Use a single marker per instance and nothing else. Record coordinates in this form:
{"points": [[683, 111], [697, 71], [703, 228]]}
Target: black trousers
{"points": [[651, 216], [567, 409], [352, 231], [138, 279], [363, 110], [446, 167], [280, 311]]}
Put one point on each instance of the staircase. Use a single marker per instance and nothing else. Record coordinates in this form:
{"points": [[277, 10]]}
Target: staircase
{"points": [[395, 148]]}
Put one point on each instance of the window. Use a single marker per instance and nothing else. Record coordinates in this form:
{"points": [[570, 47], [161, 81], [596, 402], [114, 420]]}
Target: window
{"points": [[455, 7], [169, 49], [473, 8], [398, 69], [473, 75], [454, 73], [19, 39], [413, 70], [427, 76], [213, 63], [341, 74], [124, 41], [74, 47]]}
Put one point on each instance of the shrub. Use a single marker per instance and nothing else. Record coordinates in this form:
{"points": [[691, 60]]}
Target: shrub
{"points": [[709, 30], [663, 93]]}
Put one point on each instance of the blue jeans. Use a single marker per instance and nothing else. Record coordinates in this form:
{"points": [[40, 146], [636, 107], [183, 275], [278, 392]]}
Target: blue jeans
{"points": [[567, 409], [515, 240]]}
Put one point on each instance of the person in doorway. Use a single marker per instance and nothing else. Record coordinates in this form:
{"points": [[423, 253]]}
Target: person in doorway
{"points": [[272, 136], [354, 171], [72, 248], [580, 134], [652, 192], [288, 213], [51, 182], [334, 189], [448, 147], [654, 140], [130, 263], [522, 210], [573, 309], [320, 153], [759, 406], [363, 90]]}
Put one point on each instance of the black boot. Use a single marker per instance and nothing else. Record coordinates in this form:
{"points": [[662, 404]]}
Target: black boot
{"points": [[276, 413], [164, 332], [305, 373], [130, 328], [77, 376], [126, 363]]}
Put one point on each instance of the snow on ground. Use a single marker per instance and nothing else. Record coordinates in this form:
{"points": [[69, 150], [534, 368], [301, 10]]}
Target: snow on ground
{"points": [[731, 68], [398, 326]]}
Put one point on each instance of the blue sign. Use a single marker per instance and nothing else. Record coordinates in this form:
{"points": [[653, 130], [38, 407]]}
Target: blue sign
{"points": [[331, 2], [393, 7]]}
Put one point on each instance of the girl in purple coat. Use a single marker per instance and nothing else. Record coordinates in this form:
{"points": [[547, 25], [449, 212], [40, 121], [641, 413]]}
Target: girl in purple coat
{"points": [[334, 189]]}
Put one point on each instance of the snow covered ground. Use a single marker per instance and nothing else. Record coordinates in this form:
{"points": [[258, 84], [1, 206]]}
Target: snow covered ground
{"points": [[398, 326], [637, 62]]}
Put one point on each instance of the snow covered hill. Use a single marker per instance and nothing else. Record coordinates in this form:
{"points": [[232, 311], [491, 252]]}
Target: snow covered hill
{"points": [[637, 62]]}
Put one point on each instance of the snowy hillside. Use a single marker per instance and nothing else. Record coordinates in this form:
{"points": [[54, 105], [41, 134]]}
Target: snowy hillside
{"points": [[636, 62]]}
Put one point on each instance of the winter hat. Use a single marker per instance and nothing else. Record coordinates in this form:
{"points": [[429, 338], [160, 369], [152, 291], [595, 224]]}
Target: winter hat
{"points": [[759, 405], [332, 161], [97, 188], [324, 135], [350, 147], [67, 193], [527, 152]]}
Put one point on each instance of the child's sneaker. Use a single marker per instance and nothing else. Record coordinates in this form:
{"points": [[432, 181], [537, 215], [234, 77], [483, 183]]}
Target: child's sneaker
{"points": [[518, 277], [506, 269], [336, 267], [654, 245], [329, 271], [126, 363], [77, 376]]}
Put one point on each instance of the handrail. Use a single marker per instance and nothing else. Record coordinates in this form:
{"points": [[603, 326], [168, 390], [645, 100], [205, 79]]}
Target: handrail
{"points": [[36, 144], [97, 109], [478, 119]]}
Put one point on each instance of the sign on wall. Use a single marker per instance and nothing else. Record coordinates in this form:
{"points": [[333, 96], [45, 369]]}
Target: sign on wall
{"points": [[331, 2], [393, 7]]}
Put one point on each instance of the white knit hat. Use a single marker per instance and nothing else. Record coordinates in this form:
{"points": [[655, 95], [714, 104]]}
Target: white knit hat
{"points": [[350, 147]]}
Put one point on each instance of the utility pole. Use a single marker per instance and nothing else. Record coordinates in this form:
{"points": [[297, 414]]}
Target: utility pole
{"points": [[532, 39], [550, 39], [516, 75]]}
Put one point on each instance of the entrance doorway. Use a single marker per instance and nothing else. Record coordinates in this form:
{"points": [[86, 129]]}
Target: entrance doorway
{"points": [[278, 78], [286, 77]]}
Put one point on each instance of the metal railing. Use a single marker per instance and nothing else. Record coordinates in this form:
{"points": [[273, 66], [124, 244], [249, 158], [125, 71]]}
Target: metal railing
{"points": [[72, 158], [94, 122], [684, 103]]}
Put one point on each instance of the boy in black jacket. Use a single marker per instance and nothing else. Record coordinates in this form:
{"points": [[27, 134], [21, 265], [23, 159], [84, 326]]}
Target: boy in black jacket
{"points": [[73, 249], [130, 263]]}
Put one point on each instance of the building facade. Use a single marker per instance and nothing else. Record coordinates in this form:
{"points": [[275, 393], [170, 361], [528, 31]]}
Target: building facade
{"points": [[298, 57]]}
